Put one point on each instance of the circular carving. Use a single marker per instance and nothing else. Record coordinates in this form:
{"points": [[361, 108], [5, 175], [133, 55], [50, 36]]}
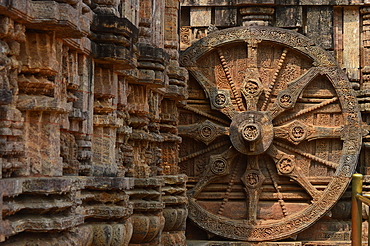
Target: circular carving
{"points": [[220, 100], [252, 179], [206, 132], [260, 133], [250, 132], [251, 88], [218, 166], [264, 139], [286, 165], [297, 133], [285, 101]]}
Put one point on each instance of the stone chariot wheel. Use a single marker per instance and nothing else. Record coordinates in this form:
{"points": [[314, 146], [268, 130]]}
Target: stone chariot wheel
{"points": [[271, 133]]}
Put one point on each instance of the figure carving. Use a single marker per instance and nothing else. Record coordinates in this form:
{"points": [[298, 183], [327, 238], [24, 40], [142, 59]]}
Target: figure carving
{"points": [[220, 99], [218, 166]]}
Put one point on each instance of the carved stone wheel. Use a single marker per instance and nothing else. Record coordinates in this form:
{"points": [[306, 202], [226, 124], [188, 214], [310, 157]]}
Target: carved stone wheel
{"points": [[271, 133]]}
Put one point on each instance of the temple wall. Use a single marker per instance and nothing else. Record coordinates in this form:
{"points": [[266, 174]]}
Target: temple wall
{"points": [[90, 99], [89, 92]]}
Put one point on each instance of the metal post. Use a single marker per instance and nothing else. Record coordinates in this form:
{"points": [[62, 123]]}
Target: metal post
{"points": [[356, 210]]}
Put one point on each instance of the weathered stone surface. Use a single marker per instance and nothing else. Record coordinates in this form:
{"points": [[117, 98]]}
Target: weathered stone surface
{"points": [[91, 149], [351, 50], [81, 86], [200, 16], [290, 16], [226, 16], [320, 25], [269, 2]]}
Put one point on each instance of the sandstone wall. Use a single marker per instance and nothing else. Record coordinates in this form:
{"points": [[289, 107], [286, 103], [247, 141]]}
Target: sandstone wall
{"points": [[89, 91]]}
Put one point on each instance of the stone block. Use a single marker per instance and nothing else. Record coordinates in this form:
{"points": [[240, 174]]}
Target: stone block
{"points": [[200, 16], [245, 2], [289, 16], [320, 25], [351, 49], [325, 2], [225, 16]]}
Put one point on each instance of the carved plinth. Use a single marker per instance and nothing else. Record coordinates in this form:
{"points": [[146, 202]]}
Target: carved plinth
{"points": [[84, 209], [107, 209], [51, 204]]}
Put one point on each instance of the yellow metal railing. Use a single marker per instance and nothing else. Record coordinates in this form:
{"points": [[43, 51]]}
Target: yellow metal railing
{"points": [[357, 199]]}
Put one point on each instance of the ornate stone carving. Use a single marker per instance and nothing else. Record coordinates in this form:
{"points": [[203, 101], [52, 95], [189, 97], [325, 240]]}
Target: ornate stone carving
{"points": [[205, 132], [82, 84], [288, 110]]}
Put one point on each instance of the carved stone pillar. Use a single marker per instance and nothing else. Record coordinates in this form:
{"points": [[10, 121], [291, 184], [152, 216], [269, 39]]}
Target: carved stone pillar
{"points": [[145, 22], [175, 211], [147, 220], [144, 107], [47, 115], [12, 149], [41, 99], [115, 52], [77, 125], [105, 122], [124, 157], [364, 93], [257, 16], [366, 48]]}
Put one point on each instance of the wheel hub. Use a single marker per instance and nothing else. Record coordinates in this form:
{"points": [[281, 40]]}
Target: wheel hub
{"points": [[251, 132]]}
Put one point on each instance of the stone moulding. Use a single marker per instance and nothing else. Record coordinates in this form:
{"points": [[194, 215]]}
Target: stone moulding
{"points": [[68, 194]]}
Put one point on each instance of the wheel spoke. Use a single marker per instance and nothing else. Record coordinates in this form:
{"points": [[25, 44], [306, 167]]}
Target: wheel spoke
{"points": [[272, 84], [209, 116], [204, 151], [286, 99], [219, 165], [228, 190], [274, 179], [329, 164], [286, 166], [221, 101], [297, 132], [253, 180], [234, 91], [307, 110], [251, 86], [206, 132], [252, 90]]}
